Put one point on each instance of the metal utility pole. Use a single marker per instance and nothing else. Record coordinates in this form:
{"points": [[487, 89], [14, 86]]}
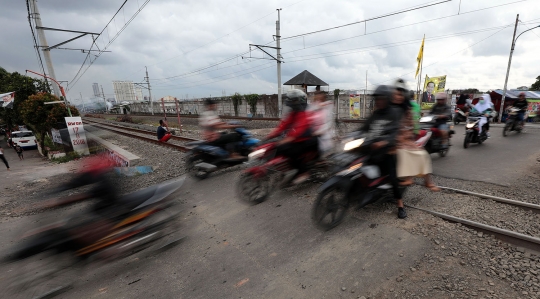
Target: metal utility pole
{"points": [[149, 91], [510, 61], [82, 100], [278, 37], [43, 42], [501, 110], [104, 99]]}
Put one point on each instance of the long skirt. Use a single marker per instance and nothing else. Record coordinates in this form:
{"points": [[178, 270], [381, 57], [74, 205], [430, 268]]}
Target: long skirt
{"points": [[411, 163]]}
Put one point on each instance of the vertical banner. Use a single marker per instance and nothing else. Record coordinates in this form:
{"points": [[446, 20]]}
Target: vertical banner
{"points": [[534, 107], [56, 137], [354, 106], [432, 86], [77, 135]]}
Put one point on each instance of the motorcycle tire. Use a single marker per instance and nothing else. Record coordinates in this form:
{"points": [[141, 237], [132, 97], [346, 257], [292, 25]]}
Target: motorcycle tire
{"points": [[506, 129], [251, 189], [467, 140], [443, 153], [192, 171], [456, 122], [326, 205]]}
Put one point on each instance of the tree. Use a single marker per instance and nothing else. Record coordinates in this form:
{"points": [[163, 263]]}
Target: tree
{"points": [[237, 101], [536, 85], [42, 118], [336, 94], [23, 86], [251, 100]]}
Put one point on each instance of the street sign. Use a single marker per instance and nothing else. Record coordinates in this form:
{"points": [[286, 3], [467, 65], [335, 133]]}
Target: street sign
{"points": [[76, 133]]}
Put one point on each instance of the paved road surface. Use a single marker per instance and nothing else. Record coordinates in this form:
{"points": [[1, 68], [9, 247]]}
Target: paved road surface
{"points": [[497, 160]]}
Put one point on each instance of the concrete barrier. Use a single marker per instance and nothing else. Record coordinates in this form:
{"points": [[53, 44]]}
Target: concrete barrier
{"points": [[122, 157]]}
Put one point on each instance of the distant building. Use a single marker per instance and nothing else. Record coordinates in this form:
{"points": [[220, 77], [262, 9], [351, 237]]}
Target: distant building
{"points": [[138, 94], [95, 87], [523, 88], [124, 91]]}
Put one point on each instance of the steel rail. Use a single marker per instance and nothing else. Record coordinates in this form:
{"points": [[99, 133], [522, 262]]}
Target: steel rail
{"points": [[152, 140], [522, 204], [534, 241], [179, 138]]}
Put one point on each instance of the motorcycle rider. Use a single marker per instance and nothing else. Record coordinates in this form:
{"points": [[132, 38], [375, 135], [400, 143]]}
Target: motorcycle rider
{"points": [[299, 134], [383, 126], [443, 113], [522, 104], [321, 119], [211, 123], [484, 106]]}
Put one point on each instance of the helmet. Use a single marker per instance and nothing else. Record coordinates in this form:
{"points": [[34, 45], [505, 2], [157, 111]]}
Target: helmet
{"points": [[383, 90], [400, 84], [296, 100], [442, 96]]}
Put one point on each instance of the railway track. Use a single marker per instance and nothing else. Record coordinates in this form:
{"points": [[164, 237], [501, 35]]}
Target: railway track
{"points": [[143, 135], [504, 234]]}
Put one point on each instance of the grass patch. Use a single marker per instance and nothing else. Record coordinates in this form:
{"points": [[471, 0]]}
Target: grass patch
{"points": [[68, 157]]}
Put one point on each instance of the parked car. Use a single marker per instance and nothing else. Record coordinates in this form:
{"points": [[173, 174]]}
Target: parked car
{"points": [[24, 139]]}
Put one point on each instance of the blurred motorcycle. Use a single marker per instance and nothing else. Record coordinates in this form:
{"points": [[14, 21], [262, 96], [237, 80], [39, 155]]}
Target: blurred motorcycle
{"points": [[47, 260]]}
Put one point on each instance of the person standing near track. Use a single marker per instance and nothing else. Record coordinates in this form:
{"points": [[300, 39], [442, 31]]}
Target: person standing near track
{"points": [[3, 158], [163, 133]]}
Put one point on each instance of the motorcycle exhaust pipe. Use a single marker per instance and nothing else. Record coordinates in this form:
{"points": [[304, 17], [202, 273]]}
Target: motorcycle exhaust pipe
{"points": [[206, 166]]}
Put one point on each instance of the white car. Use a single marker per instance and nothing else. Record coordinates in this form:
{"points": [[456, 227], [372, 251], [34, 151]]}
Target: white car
{"points": [[24, 139]]}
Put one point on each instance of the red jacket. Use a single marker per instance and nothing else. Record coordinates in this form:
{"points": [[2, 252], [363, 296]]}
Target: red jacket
{"points": [[297, 124]]}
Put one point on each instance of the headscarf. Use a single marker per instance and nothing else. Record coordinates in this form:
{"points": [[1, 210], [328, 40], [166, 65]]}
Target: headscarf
{"points": [[481, 107]]}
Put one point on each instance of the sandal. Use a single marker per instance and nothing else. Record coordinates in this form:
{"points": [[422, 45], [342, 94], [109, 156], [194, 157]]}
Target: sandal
{"points": [[432, 187]]}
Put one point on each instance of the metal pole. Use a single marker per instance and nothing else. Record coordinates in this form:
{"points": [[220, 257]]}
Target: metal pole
{"points": [[43, 42], [501, 109], [149, 92], [84, 108], [62, 92], [278, 37], [178, 114], [163, 106]]}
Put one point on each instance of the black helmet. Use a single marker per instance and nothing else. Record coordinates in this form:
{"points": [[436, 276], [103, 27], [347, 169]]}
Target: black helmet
{"points": [[296, 100], [383, 90]]}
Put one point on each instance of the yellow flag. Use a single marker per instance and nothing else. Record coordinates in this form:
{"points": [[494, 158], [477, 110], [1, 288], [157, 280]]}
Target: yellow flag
{"points": [[420, 57]]}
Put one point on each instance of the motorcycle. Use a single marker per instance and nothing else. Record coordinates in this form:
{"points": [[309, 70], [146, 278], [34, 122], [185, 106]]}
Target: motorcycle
{"points": [[48, 259], [434, 144], [357, 182], [459, 116], [268, 172], [512, 122], [472, 129], [204, 158]]}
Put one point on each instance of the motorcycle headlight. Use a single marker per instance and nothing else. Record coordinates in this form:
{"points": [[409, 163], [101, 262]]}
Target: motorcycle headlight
{"points": [[470, 125], [426, 119], [256, 154], [353, 144]]}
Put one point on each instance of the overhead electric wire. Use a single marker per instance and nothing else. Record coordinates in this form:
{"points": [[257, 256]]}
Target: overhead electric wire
{"points": [[470, 46], [376, 47], [366, 20], [101, 51]]}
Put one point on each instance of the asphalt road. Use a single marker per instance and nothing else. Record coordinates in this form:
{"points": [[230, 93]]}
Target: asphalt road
{"points": [[497, 160]]}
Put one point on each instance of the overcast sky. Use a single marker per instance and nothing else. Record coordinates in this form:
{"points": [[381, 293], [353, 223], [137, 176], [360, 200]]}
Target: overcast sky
{"points": [[180, 39]]}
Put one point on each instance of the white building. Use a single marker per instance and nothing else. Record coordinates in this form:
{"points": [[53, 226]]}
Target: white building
{"points": [[138, 94], [95, 87], [124, 91]]}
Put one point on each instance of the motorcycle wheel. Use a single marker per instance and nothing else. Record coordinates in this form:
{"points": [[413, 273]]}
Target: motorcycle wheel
{"points": [[443, 153], [193, 171], [506, 129], [456, 122], [467, 140], [330, 208], [251, 189], [44, 275]]}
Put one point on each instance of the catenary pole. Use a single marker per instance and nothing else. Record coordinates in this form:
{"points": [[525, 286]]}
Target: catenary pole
{"points": [[278, 45], [43, 42]]}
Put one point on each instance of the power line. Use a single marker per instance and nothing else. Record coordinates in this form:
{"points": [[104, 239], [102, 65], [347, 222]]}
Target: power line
{"points": [[370, 19], [101, 51]]}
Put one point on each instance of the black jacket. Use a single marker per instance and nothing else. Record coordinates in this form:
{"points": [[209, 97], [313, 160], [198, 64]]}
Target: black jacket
{"points": [[522, 105], [441, 110], [383, 125]]}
